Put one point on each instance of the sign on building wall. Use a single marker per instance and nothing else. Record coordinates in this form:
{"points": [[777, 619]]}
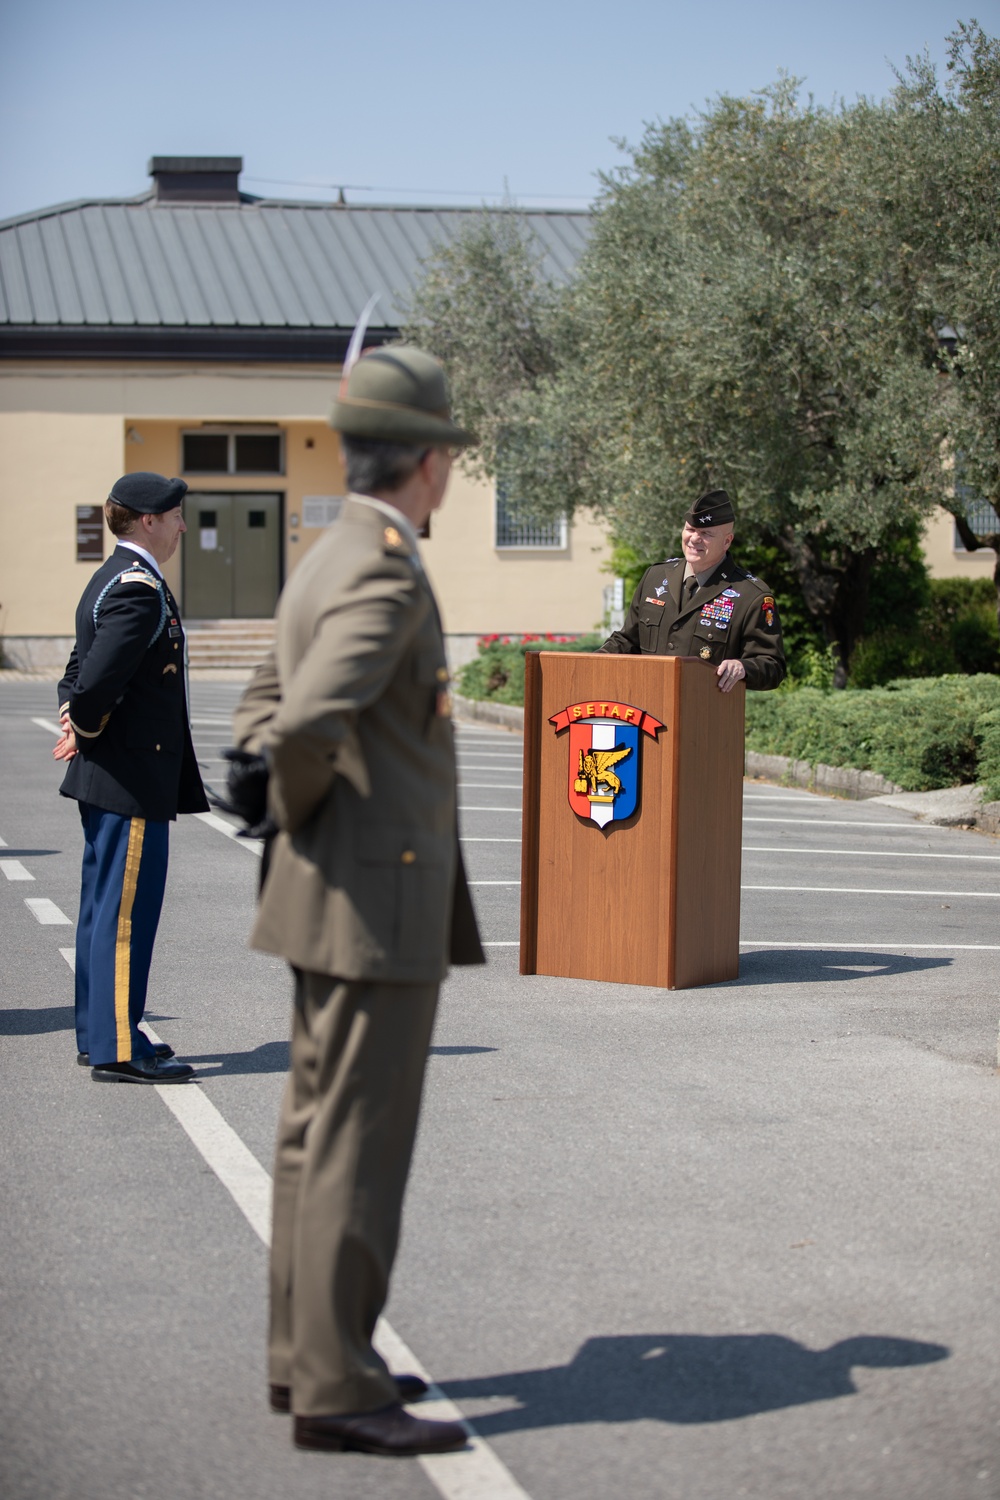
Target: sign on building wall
{"points": [[320, 510], [89, 533]]}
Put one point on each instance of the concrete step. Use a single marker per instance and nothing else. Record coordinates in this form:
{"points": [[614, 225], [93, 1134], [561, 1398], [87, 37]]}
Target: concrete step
{"points": [[228, 643]]}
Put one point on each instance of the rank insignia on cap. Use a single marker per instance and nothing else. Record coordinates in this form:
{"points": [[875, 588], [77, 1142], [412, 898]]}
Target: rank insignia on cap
{"points": [[392, 537], [705, 653]]}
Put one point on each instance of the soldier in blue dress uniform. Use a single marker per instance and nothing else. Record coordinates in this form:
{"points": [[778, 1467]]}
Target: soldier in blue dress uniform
{"points": [[132, 769]]}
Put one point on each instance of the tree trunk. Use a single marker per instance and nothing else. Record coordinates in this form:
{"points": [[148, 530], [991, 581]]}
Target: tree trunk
{"points": [[835, 590], [972, 543]]}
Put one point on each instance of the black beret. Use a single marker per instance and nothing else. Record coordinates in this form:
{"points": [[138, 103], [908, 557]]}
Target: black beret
{"points": [[713, 508], [149, 494]]}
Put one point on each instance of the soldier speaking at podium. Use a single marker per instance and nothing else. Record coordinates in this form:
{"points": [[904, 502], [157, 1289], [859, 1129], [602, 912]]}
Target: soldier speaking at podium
{"points": [[132, 769], [704, 604]]}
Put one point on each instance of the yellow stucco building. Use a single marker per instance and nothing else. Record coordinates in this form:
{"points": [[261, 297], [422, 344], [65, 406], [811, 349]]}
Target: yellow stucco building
{"points": [[198, 331]]}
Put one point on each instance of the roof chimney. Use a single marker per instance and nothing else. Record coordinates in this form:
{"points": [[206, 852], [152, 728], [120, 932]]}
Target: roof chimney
{"points": [[196, 179]]}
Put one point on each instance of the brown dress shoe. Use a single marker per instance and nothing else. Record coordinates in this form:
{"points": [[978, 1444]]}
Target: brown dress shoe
{"points": [[410, 1388], [391, 1432]]}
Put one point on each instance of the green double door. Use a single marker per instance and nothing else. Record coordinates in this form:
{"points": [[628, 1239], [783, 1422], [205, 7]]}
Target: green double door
{"points": [[232, 555]]}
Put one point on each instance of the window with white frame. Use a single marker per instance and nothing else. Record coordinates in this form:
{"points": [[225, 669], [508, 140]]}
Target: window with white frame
{"points": [[237, 450], [514, 531]]}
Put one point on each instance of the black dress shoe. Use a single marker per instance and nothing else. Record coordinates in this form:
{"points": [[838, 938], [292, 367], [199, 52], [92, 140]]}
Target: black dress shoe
{"points": [[410, 1388], [143, 1070], [160, 1049], [392, 1432]]}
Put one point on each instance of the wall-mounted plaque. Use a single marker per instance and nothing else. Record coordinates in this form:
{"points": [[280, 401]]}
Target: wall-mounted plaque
{"points": [[90, 533], [320, 510]]}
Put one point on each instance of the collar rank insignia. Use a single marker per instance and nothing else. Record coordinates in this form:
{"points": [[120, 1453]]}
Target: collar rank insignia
{"points": [[604, 739]]}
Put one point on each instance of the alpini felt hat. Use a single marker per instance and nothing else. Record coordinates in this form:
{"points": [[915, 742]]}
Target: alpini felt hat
{"points": [[397, 394], [149, 494], [713, 508]]}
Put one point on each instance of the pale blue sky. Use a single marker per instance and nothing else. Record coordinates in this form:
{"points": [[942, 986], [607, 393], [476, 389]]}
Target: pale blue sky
{"points": [[419, 100]]}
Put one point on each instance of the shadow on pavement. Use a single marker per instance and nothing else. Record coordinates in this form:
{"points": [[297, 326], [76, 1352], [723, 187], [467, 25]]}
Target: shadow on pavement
{"points": [[458, 1051], [683, 1378], [816, 965], [269, 1057], [24, 1022]]}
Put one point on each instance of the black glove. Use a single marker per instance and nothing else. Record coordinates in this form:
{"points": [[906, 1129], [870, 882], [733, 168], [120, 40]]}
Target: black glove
{"points": [[246, 793]]}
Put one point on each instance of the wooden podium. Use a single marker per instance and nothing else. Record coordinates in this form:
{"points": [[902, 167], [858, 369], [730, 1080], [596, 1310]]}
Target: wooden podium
{"points": [[652, 897]]}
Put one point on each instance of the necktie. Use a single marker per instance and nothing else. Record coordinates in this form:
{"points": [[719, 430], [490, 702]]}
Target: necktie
{"points": [[690, 584]]}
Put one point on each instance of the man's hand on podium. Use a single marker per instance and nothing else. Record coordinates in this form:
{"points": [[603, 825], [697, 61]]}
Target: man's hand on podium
{"points": [[729, 674]]}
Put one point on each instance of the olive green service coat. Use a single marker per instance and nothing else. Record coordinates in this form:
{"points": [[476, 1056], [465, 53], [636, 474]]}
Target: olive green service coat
{"points": [[732, 617], [366, 879]]}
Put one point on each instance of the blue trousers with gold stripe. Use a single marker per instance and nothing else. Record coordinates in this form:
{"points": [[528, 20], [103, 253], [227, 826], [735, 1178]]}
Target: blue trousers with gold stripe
{"points": [[121, 894]]}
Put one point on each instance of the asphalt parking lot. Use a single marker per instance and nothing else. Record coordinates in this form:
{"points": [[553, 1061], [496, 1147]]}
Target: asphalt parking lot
{"points": [[739, 1241]]}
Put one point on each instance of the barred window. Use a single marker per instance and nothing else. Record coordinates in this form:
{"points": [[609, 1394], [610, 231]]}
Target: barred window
{"points": [[513, 530], [979, 513]]}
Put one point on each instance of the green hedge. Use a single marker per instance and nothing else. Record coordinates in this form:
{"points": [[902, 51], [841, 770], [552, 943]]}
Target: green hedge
{"points": [[497, 673], [921, 733]]}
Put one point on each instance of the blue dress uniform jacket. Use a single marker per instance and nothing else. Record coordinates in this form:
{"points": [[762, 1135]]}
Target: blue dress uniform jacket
{"points": [[134, 771], [732, 616], [124, 692]]}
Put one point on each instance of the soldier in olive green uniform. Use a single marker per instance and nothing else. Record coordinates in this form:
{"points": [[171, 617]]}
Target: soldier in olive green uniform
{"points": [[703, 604], [366, 898]]}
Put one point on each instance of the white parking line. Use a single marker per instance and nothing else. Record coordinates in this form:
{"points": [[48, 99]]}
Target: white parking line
{"points": [[857, 890], [821, 822], [867, 853], [805, 797], [252, 846], [466, 808], [852, 947], [46, 912], [14, 870], [47, 724], [3, 844], [475, 1473]]}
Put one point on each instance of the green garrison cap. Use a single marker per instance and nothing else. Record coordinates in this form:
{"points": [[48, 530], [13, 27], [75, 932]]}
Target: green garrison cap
{"points": [[713, 508], [397, 395]]}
